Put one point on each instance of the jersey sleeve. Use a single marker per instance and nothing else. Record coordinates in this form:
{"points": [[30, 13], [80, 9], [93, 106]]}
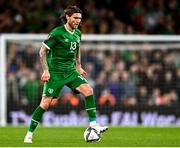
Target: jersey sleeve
{"points": [[80, 34], [50, 41]]}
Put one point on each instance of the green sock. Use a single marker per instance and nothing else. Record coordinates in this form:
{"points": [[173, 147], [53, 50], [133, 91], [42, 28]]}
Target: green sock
{"points": [[90, 107], [36, 118]]}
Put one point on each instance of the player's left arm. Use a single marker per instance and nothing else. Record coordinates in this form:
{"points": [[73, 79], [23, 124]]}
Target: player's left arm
{"points": [[78, 64]]}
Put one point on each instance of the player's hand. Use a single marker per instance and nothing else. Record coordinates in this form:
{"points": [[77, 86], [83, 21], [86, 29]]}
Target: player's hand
{"points": [[82, 71], [45, 76]]}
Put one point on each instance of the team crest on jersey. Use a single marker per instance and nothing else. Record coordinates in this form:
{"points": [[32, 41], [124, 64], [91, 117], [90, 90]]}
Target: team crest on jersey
{"points": [[50, 90]]}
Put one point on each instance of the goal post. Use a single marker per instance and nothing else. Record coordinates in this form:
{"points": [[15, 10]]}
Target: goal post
{"points": [[89, 42], [2, 82], [3, 85]]}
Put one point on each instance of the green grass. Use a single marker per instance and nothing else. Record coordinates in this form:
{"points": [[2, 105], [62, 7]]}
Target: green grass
{"points": [[73, 137]]}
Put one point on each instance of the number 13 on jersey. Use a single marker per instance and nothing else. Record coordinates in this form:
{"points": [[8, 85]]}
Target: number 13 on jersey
{"points": [[73, 46]]}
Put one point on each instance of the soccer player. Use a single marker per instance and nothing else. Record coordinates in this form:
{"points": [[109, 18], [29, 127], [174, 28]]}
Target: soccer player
{"points": [[61, 62]]}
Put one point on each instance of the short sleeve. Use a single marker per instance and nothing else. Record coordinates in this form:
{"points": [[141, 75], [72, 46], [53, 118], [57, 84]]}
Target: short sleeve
{"points": [[50, 41]]}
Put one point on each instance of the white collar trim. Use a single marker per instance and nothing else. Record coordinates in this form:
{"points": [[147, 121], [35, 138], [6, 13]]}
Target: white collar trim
{"points": [[71, 32]]}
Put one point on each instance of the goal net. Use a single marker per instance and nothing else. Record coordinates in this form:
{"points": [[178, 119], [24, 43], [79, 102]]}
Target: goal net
{"points": [[136, 81]]}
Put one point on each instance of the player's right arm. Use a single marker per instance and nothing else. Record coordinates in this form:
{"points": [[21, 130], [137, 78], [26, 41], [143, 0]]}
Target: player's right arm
{"points": [[43, 59], [47, 45]]}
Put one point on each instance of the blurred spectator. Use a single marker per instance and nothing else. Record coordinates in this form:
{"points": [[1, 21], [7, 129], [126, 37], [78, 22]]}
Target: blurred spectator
{"points": [[125, 17], [113, 85], [30, 89], [13, 90], [29, 56], [157, 98], [128, 90], [69, 98], [99, 85], [168, 84], [107, 98], [144, 76], [142, 95], [66, 96], [177, 83]]}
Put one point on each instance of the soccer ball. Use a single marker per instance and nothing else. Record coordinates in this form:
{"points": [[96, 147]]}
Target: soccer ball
{"points": [[91, 135]]}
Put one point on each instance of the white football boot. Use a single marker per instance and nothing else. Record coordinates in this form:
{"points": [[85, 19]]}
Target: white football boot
{"points": [[100, 129], [28, 138]]}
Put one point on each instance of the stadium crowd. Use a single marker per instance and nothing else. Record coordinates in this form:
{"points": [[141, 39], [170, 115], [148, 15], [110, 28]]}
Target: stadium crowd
{"points": [[102, 16], [129, 78], [143, 77]]}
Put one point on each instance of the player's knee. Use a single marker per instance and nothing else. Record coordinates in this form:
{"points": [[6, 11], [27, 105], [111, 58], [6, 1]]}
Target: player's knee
{"points": [[54, 102], [45, 103], [89, 92]]}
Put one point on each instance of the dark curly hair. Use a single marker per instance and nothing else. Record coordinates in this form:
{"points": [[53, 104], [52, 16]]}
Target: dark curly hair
{"points": [[69, 11]]}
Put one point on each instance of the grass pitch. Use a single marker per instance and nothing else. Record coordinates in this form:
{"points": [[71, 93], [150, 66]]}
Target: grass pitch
{"points": [[73, 137]]}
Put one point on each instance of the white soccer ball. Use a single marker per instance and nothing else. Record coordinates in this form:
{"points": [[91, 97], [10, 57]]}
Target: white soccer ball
{"points": [[91, 135]]}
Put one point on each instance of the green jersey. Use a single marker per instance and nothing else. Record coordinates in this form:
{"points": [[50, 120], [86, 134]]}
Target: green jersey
{"points": [[63, 46]]}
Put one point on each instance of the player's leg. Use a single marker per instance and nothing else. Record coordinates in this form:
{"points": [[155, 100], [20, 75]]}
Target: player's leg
{"points": [[87, 91], [36, 117], [79, 84], [46, 102], [50, 91], [90, 105]]}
